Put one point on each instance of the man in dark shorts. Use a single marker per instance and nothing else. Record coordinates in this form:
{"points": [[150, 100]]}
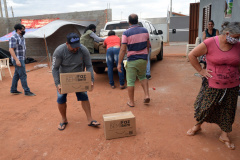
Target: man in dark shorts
{"points": [[69, 57]]}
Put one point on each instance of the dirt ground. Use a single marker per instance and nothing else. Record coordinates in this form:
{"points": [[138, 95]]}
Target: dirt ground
{"points": [[28, 125]]}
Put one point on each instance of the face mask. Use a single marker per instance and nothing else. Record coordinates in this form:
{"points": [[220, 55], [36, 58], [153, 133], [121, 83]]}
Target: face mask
{"points": [[232, 40], [23, 32]]}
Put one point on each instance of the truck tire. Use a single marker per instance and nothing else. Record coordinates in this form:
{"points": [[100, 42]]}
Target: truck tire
{"points": [[99, 70], [160, 55]]}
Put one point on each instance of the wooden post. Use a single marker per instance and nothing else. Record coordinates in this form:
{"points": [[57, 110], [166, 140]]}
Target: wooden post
{"points": [[47, 51], [1, 9]]}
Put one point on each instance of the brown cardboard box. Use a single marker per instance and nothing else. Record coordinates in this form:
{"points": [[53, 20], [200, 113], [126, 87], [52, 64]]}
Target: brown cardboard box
{"points": [[117, 125], [102, 50], [75, 82], [96, 46]]}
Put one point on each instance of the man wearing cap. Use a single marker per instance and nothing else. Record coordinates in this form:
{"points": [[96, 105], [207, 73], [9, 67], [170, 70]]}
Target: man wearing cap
{"points": [[69, 57]]}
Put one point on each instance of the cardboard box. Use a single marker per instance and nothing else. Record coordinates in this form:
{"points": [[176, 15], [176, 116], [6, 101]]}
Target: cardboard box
{"points": [[117, 125], [96, 46], [75, 82], [102, 50]]}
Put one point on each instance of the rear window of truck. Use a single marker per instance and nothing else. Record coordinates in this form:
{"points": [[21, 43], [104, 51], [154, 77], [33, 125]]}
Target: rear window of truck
{"points": [[121, 25]]}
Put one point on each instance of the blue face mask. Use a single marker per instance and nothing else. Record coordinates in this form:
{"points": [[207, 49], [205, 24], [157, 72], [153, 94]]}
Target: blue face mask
{"points": [[232, 40]]}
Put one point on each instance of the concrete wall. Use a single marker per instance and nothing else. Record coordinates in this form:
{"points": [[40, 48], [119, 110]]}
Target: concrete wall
{"points": [[218, 14], [36, 47], [181, 24], [160, 24]]}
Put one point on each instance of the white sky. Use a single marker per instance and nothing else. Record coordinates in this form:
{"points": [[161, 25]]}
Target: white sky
{"points": [[120, 8]]}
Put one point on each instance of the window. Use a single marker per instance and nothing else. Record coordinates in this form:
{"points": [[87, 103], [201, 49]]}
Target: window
{"points": [[121, 25], [148, 28], [153, 29], [228, 8], [206, 16]]}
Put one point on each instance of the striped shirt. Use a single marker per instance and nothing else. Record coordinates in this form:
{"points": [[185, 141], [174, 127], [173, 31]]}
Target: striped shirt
{"points": [[136, 38], [18, 44]]}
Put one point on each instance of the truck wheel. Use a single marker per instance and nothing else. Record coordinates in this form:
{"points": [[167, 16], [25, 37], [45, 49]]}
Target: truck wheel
{"points": [[99, 70], [160, 55]]}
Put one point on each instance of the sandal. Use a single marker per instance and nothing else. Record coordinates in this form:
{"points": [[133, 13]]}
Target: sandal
{"points": [[63, 126], [123, 87], [146, 100], [227, 143], [191, 132], [129, 104], [94, 123], [113, 87]]}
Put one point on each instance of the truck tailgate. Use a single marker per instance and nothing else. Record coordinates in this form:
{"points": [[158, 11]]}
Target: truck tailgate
{"points": [[98, 57]]}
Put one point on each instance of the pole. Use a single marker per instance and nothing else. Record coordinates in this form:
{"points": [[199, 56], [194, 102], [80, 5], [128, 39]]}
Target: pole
{"points": [[12, 11], [5, 7], [1, 9], [170, 8], [47, 51]]}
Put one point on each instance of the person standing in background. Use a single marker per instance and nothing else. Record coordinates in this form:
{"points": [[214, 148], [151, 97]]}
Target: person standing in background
{"points": [[17, 49], [209, 32], [88, 38], [148, 72]]}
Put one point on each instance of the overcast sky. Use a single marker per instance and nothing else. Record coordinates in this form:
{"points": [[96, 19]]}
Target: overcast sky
{"points": [[120, 8]]}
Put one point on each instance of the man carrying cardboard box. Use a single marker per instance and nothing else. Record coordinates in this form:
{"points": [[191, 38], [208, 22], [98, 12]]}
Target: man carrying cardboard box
{"points": [[67, 58]]}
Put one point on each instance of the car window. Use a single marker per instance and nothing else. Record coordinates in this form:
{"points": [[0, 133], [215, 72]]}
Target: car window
{"points": [[121, 25], [148, 28], [153, 29]]}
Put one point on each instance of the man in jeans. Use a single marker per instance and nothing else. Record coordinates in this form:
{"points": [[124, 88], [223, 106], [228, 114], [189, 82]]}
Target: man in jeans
{"points": [[17, 49], [135, 41], [148, 72]]}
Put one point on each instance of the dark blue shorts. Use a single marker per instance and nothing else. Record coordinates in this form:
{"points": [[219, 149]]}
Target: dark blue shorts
{"points": [[81, 96]]}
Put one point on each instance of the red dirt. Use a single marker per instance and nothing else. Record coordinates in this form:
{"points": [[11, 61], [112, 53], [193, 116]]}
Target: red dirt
{"points": [[28, 127]]}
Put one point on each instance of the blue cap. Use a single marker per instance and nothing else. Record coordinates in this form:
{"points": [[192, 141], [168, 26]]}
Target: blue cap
{"points": [[74, 40]]}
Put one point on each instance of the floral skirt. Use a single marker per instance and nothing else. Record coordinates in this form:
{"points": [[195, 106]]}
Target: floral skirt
{"points": [[216, 106]]}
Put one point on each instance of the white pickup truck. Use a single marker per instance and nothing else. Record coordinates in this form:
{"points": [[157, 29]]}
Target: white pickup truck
{"points": [[156, 40]]}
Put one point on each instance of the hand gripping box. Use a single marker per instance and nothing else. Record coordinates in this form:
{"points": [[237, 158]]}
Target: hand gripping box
{"points": [[117, 125], [75, 82]]}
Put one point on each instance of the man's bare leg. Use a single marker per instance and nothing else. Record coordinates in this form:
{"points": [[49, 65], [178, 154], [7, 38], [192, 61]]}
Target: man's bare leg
{"points": [[87, 108], [131, 95], [144, 84], [63, 111]]}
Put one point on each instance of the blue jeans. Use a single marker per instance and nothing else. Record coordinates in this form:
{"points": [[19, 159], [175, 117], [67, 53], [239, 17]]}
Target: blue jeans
{"points": [[112, 55], [20, 73], [81, 96], [148, 72]]}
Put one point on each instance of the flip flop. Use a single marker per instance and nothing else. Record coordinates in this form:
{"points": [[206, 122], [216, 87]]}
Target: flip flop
{"points": [[228, 144], [129, 105], [191, 132], [123, 87], [146, 100], [113, 87], [93, 125], [61, 124]]}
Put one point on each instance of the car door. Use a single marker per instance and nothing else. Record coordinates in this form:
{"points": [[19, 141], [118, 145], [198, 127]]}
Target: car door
{"points": [[155, 39], [151, 36]]}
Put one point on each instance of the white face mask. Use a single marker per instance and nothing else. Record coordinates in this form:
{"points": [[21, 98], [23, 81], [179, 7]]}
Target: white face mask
{"points": [[232, 40]]}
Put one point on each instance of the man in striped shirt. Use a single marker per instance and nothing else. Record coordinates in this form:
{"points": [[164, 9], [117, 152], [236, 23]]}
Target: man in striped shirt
{"points": [[135, 41]]}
